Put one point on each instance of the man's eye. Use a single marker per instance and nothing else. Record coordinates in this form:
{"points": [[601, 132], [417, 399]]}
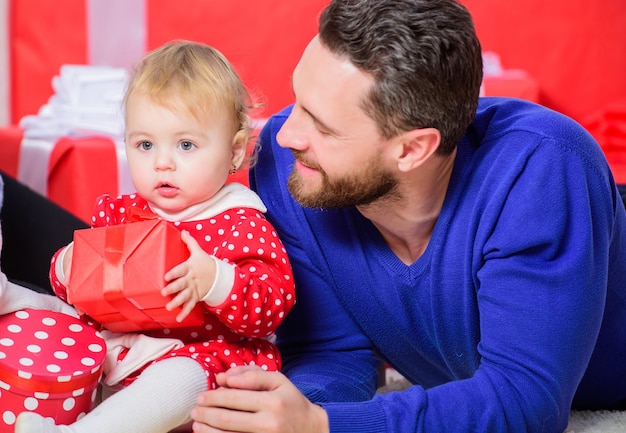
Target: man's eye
{"points": [[186, 145], [323, 132], [145, 145]]}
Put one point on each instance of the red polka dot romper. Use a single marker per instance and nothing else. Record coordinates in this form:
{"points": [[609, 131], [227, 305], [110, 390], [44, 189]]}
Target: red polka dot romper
{"points": [[234, 332]]}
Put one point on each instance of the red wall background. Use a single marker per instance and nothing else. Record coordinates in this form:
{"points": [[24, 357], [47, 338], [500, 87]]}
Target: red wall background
{"points": [[43, 35], [575, 49], [262, 38]]}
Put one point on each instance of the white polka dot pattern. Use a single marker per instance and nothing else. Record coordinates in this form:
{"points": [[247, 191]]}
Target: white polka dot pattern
{"points": [[238, 330], [50, 363]]}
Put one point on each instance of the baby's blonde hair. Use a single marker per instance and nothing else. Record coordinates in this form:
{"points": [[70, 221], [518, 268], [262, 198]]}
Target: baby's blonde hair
{"points": [[194, 77]]}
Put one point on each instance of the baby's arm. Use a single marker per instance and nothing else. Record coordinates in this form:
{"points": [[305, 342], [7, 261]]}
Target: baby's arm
{"points": [[249, 274]]}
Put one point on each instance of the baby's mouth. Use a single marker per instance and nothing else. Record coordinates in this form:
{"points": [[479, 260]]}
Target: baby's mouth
{"points": [[167, 190]]}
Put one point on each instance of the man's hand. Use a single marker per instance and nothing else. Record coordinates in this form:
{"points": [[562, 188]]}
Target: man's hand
{"points": [[252, 400], [191, 280]]}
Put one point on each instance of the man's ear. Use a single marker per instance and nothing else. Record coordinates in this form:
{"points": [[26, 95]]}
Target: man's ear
{"points": [[239, 147], [417, 146]]}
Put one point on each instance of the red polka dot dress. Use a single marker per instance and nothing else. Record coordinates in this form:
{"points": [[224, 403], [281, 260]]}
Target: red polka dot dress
{"points": [[236, 330]]}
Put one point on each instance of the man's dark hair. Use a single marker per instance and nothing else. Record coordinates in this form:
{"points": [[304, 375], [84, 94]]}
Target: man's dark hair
{"points": [[424, 56]]}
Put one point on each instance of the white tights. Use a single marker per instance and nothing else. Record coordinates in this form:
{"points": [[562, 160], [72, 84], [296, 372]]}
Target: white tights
{"points": [[159, 400]]}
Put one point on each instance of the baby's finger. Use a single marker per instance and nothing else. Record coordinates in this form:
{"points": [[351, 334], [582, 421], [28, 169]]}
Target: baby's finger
{"points": [[173, 287], [187, 307], [190, 241], [177, 301], [176, 272]]}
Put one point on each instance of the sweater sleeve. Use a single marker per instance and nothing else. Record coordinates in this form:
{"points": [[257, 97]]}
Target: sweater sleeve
{"points": [[324, 353]]}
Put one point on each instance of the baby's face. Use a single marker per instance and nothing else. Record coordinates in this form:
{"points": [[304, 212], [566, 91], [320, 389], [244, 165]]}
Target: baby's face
{"points": [[176, 160]]}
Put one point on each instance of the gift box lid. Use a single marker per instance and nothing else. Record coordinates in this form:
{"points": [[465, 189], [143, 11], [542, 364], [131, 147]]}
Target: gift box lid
{"points": [[45, 351]]}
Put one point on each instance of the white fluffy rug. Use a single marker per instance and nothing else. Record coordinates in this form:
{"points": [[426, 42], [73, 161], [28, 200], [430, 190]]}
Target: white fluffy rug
{"points": [[597, 422], [579, 422]]}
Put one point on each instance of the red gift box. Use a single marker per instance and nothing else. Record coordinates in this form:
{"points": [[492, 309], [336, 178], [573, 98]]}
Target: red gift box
{"points": [[117, 32], [50, 363], [117, 275], [82, 35]]}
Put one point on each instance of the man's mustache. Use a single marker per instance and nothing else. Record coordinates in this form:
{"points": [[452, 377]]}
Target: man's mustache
{"points": [[299, 155]]}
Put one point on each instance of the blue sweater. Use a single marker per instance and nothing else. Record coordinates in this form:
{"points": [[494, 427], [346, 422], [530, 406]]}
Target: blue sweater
{"points": [[515, 311]]}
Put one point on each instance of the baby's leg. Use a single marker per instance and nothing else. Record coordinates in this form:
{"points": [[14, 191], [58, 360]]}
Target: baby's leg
{"points": [[160, 400]]}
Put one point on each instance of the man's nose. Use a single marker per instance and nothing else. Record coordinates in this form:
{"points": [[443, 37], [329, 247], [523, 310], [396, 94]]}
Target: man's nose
{"points": [[293, 134]]}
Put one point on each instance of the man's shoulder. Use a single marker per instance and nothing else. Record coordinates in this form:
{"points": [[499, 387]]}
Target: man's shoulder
{"points": [[278, 118], [501, 114], [269, 148], [284, 113], [526, 124]]}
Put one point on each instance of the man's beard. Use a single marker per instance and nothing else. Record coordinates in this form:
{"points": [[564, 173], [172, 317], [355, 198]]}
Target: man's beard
{"points": [[356, 189]]}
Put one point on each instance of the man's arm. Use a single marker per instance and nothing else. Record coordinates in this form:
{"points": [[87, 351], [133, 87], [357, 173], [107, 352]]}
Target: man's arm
{"points": [[325, 354], [34, 229]]}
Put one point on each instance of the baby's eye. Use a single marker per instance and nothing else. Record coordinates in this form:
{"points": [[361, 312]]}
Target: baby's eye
{"points": [[186, 145], [145, 145]]}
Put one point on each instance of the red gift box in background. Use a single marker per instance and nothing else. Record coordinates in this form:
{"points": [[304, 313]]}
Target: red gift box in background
{"points": [[274, 33], [117, 33], [117, 275], [578, 72], [50, 363], [608, 126]]}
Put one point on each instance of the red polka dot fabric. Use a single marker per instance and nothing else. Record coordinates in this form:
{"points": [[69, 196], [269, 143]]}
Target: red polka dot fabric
{"points": [[237, 331], [50, 363]]}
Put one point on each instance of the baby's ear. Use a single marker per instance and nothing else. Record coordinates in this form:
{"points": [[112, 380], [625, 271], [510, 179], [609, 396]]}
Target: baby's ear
{"points": [[239, 146]]}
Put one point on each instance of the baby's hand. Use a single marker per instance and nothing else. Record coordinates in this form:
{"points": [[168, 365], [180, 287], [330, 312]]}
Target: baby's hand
{"points": [[191, 280]]}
